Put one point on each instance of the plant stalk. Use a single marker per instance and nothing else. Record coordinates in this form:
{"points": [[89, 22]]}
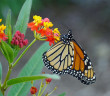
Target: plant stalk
{"points": [[40, 88], [23, 53], [3, 88], [43, 89]]}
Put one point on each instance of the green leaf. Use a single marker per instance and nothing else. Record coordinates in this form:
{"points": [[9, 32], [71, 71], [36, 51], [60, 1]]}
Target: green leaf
{"points": [[31, 78], [16, 51], [8, 27], [23, 17], [1, 93], [0, 74], [7, 51], [33, 67], [63, 94]]}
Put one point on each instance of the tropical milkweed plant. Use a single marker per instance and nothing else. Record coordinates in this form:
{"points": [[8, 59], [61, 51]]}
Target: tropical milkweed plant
{"points": [[12, 41]]}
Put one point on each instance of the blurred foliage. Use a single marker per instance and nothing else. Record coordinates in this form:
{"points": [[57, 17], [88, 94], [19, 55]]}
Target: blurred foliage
{"points": [[15, 6]]}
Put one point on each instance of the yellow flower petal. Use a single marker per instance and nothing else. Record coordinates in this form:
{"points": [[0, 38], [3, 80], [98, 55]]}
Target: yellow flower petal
{"points": [[56, 31], [57, 38], [37, 19], [48, 24], [2, 28], [0, 20]]}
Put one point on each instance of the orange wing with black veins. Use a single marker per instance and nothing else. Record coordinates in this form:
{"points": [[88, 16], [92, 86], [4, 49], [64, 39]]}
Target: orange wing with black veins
{"points": [[78, 63]]}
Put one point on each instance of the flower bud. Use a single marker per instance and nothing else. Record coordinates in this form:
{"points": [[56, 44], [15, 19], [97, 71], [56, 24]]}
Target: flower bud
{"points": [[16, 42], [18, 32], [22, 35], [48, 80], [25, 42], [21, 45], [12, 42], [33, 90]]}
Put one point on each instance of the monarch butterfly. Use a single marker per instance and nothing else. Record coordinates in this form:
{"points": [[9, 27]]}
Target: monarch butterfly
{"points": [[67, 56]]}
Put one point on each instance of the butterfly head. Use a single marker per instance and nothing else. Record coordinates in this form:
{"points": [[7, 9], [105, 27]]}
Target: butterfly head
{"points": [[68, 37]]}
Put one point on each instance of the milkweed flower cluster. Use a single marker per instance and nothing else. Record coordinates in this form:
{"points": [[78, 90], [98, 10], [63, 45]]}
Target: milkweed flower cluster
{"points": [[43, 27], [18, 40], [2, 34]]}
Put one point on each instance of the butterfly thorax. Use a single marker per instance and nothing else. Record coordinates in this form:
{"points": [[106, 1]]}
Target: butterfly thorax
{"points": [[67, 38]]}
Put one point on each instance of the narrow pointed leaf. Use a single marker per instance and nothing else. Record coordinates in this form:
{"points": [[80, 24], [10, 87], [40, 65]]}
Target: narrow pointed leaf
{"points": [[63, 94], [31, 78], [8, 30], [33, 67], [7, 51], [23, 17]]}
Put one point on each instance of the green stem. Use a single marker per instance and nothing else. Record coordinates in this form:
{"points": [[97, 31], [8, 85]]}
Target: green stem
{"points": [[51, 92], [43, 89], [42, 39], [40, 88], [3, 88], [24, 52]]}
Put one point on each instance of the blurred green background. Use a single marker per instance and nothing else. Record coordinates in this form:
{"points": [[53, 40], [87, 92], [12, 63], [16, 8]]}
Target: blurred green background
{"points": [[38, 5], [90, 22]]}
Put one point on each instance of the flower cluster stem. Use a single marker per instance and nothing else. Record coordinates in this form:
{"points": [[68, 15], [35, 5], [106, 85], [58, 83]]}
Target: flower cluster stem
{"points": [[43, 89], [51, 92], [24, 52], [40, 88]]}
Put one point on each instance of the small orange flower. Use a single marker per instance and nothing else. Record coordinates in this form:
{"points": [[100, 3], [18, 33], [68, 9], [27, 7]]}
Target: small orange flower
{"points": [[33, 90]]}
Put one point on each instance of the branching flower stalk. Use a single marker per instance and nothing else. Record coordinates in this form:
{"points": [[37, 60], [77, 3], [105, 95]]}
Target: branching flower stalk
{"points": [[4, 86], [41, 86], [43, 90]]}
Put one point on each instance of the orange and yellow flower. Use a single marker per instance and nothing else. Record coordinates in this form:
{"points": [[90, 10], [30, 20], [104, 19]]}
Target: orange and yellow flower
{"points": [[43, 27], [2, 34]]}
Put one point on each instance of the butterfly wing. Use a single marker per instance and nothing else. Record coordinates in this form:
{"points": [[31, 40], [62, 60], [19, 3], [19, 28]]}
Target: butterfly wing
{"points": [[82, 68], [58, 58]]}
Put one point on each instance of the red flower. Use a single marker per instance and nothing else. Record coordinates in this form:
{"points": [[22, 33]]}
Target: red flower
{"points": [[48, 80], [33, 26], [42, 32], [33, 90], [50, 39]]}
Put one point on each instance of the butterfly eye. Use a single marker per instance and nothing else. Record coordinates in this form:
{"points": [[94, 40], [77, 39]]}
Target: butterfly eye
{"points": [[65, 37]]}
